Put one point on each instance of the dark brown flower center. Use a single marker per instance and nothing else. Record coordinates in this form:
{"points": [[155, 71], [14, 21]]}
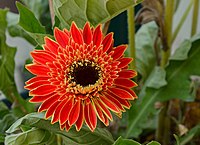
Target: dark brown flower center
{"points": [[84, 73]]}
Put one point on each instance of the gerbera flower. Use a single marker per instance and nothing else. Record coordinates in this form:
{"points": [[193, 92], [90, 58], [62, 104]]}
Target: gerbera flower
{"points": [[80, 77]]}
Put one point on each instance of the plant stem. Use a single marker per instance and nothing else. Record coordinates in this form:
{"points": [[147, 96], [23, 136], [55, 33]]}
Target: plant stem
{"points": [[51, 11], [131, 35], [59, 140], [180, 24], [195, 17], [163, 128], [169, 11], [162, 133]]}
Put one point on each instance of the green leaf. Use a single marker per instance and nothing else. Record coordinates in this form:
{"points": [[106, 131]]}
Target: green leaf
{"points": [[157, 78], [179, 70], [29, 23], [94, 11], [121, 141], [7, 63], [144, 40], [30, 137], [177, 139], [154, 143], [182, 54], [7, 66], [143, 109], [84, 136], [15, 30], [36, 6], [28, 20], [2, 138], [3, 110], [7, 121], [178, 73]]}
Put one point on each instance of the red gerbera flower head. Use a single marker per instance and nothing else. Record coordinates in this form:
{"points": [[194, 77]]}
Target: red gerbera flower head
{"points": [[80, 77]]}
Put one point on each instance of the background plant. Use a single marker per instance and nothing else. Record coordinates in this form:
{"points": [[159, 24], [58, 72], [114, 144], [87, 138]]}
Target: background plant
{"points": [[168, 91]]}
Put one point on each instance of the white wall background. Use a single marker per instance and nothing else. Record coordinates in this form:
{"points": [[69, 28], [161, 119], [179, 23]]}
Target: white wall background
{"points": [[186, 28]]}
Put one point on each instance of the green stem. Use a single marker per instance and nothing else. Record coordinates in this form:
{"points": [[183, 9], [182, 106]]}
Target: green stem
{"points": [[195, 17], [59, 140], [163, 128], [131, 35], [169, 11], [162, 134], [180, 24]]}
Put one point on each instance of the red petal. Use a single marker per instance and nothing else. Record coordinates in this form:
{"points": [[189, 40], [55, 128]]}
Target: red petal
{"points": [[37, 99], [56, 113], [87, 33], [104, 109], [130, 91], [74, 114], [99, 113], [42, 90], [81, 117], [42, 57], [87, 117], [121, 93], [62, 126], [67, 126], [92, 116], [35, 79], [107, 42], [51, 45], [37, 69], [97, 36], [51, 109], [114, 100], [127, 74], [119, 51], [64, 113], [109, 104], [47, 103], [124, 62], [61, 37], [106, 122], [125, 83], [124, 102], [36, 84], [76, 34]]}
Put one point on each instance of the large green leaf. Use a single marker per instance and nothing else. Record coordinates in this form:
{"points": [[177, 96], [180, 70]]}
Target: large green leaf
{"points": [[31, 137], [6, 122], [7, 66], [36, 6], [7, 63], [94, 11], [142, 113], [144, 44], [184, 63], [15, 30], [84, 136], [29, 22]]}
